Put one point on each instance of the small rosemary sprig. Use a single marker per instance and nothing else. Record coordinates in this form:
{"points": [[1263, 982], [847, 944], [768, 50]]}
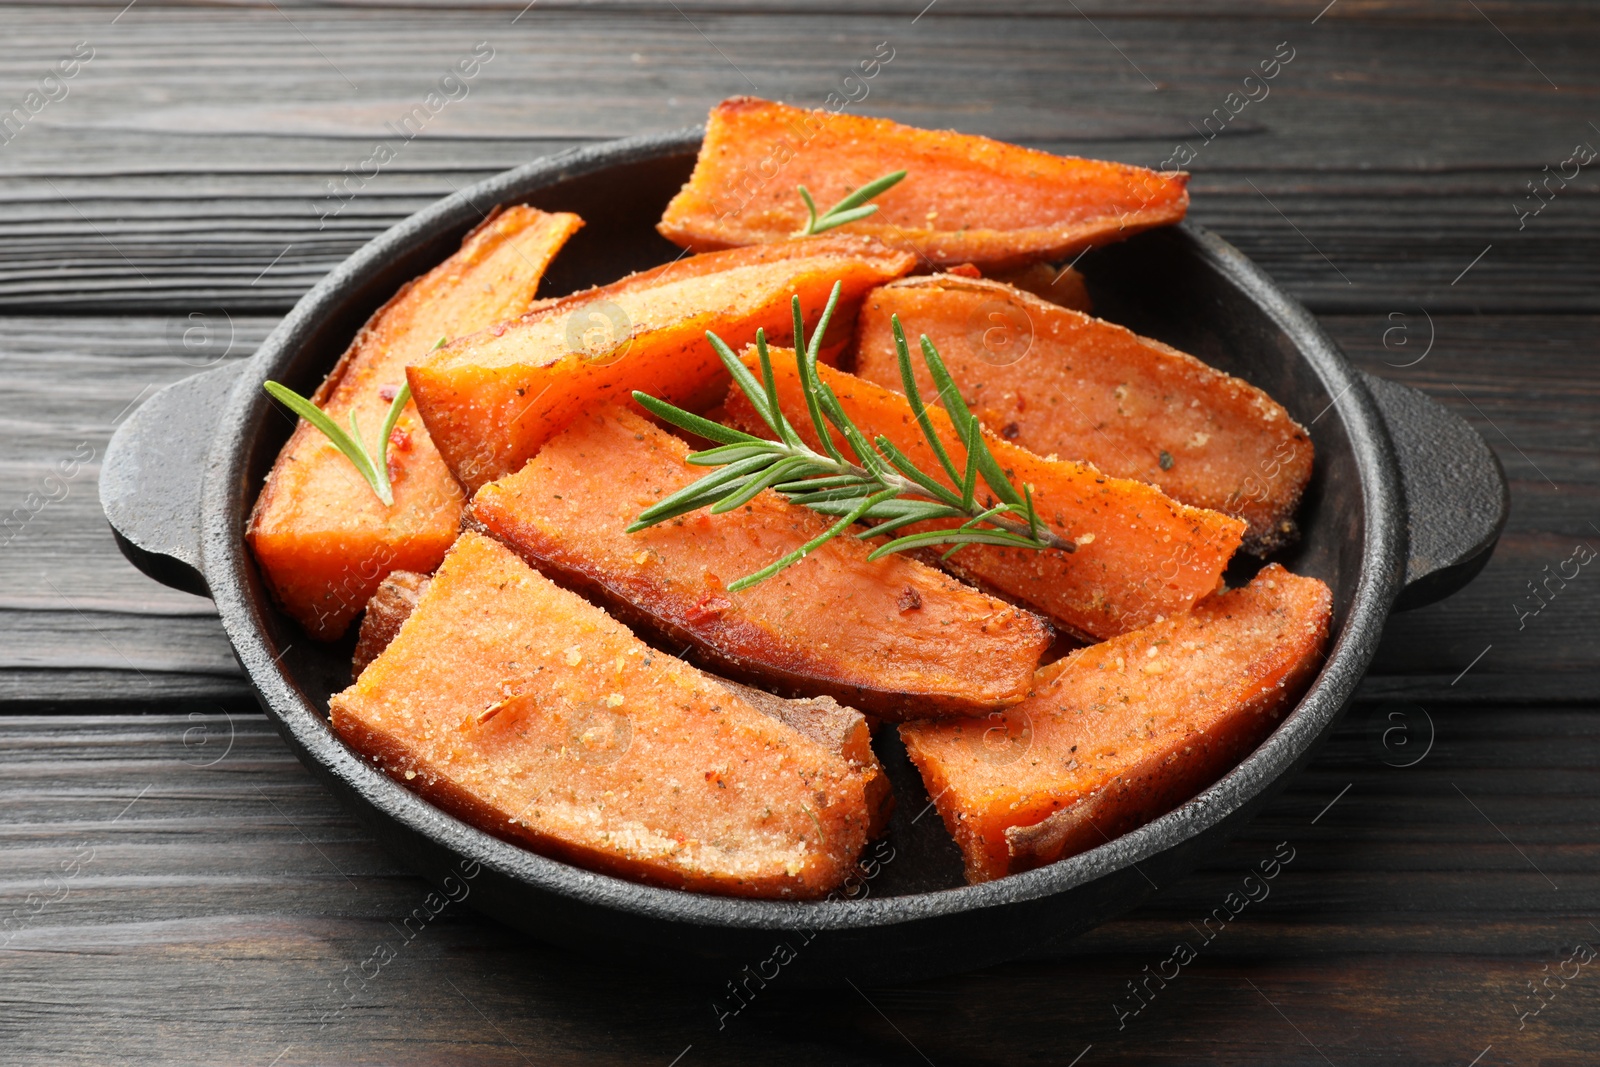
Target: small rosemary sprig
{"points": [[847, 210], [374, 470], [884, 488]]}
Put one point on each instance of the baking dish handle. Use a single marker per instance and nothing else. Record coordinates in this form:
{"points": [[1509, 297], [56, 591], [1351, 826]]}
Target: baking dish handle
{"points": [[1455, 490], [153, 475]]}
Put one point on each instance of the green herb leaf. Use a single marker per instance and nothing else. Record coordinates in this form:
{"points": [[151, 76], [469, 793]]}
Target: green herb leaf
{"points": [[908, 378], [847, 210], [375, 470], [933, 538], [701, 427]]}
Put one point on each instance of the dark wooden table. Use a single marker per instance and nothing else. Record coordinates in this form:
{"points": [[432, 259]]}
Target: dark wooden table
{"points": [[175, 888]]}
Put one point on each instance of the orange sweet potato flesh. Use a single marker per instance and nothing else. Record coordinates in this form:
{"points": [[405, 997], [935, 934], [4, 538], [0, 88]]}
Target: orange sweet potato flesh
{"points": [[1059, 382], [965, 199], [1121, 733], [322, 537], [894, 637], [491, 400], [841, 730], [1140, 555], [519, 707]]}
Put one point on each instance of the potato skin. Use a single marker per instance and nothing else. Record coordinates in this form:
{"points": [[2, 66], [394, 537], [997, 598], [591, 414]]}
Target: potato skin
{"points": [[842, 730], [1064, 286], [520, 708], [396, 598], [967, 200], [893, 637], [323, 539], [1059, 382], [1122, 732]]}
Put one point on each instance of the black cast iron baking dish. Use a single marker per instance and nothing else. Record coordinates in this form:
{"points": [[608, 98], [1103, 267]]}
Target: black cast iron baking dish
{"points": [[1404, 508]]}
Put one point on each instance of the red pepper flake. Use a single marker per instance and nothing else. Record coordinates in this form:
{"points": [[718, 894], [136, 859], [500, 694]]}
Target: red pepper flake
{"points": [[909, 600], [400, 439], [1011, 431], [387, 393]]}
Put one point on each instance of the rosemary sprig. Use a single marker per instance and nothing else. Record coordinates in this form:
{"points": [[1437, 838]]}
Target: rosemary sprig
{"points": [[884, 488], [847, 210], [375, 471]]}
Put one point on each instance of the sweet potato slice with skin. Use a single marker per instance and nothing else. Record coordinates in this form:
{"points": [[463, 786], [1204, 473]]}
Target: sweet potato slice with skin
{"points": [[1064, 285], [524, 710], [1140, 555], [322, 537], [839, 729], [1059, 382], [1123, 732], [491, 400], [894, 637], [966, 199], [396, 598]]}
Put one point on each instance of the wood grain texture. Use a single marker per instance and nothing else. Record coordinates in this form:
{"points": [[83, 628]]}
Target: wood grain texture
{"points": [[190, 162]]}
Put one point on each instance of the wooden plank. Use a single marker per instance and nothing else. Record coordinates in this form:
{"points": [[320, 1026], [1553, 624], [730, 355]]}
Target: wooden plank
{"points": [[66, 384], [1403, 929], [75, 639], [189, 165], [1340, 244], [1519, 12], [79, 691], [1538, 418]]}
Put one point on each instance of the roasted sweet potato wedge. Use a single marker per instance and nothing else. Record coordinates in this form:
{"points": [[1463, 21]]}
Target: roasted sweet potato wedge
{"points": [[839, 729], [523, 709], [1140, 555], [323, 539], [894, 637], [491, 400], [396, 598], [965, 200], [1120, 733], [1059, 382]]}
